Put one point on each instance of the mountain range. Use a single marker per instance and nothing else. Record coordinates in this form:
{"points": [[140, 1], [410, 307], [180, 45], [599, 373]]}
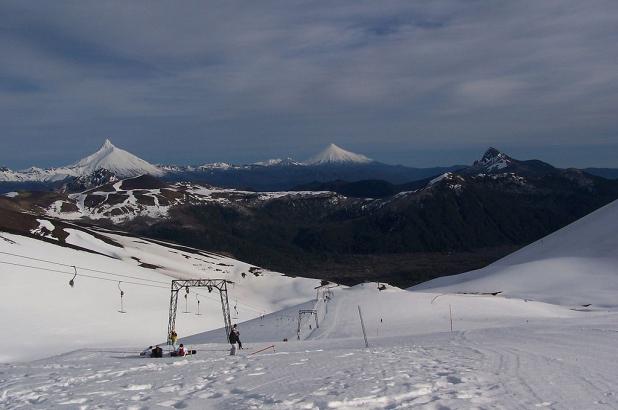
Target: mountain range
{"points": [[343, 231], [331, 168]]}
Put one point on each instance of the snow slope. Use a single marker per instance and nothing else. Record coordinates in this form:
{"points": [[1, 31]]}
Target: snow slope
{"points": [[337, 155], [545, 361], [44, 315], [576, 265]]}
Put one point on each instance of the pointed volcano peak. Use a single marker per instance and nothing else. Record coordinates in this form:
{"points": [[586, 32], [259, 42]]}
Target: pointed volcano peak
{"points": [[107, 144], [115, 160], [334, 154]]}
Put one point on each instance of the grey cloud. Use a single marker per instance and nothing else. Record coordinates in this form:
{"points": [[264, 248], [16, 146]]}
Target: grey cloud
{"points": [[274, 78]]}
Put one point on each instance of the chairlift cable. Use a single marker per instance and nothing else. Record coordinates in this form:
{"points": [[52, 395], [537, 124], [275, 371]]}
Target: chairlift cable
{"points": [[83, 268], [82, 275]]}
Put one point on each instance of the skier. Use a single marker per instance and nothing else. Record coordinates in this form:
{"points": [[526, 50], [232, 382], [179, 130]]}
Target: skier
{"points": [[181, 350]]}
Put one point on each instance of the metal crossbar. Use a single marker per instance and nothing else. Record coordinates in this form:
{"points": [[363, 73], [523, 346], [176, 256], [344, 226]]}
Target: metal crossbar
{"points": [[178, 285]]}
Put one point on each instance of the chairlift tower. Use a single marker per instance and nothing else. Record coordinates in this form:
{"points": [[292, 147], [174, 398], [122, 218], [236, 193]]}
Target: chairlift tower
{"points": [[218, 284]]}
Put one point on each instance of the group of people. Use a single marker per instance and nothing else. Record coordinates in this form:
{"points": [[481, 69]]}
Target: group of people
{"points": [[157, 351], [180, 351]]}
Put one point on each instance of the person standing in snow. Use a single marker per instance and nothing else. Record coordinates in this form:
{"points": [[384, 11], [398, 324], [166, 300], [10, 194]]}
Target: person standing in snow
{"points": [[173, 338], [235, 336]]}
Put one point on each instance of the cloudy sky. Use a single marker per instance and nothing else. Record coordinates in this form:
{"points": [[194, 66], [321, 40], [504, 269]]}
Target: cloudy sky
{"points": [[413, 82]]}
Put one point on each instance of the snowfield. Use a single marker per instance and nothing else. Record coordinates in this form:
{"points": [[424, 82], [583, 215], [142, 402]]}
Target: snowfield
{"points": [[537, 329]]}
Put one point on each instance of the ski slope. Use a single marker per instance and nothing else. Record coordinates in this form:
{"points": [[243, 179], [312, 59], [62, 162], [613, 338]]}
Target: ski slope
{"points": [[43, 315], [576, 265], [540, 357]]}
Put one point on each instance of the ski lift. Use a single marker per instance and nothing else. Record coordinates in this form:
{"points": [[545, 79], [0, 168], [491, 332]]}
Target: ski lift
{"points": [[72, 281], [198, 306], [121, 299], [186, 300]]}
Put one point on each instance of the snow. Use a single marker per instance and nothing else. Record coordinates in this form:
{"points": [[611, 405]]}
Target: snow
{"points": [[44, 229], [439, 178], [11, 194], [277, 162], [574, 266], [337, 155], [217, 165]]}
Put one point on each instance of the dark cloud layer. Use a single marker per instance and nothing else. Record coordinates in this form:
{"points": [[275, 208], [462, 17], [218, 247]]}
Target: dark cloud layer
{"points": [[419, 83]]}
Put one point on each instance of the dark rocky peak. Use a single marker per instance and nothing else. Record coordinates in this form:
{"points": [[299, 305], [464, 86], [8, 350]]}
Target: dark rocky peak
{"points": [[494, 159]]}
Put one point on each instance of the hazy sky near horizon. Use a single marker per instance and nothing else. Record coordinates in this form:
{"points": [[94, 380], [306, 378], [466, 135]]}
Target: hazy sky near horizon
{"points": [[418, 83]]}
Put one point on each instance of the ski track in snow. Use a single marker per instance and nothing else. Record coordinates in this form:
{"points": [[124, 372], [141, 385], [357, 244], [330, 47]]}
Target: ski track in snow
{"points": [[568, 365]]}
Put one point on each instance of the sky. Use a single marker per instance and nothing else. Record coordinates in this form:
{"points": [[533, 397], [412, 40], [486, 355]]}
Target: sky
{"points": [[418, 83]]}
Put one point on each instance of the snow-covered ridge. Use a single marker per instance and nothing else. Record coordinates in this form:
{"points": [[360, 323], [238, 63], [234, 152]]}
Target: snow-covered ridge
{"points": [[337, 155], [118, 203], [278, 162]]}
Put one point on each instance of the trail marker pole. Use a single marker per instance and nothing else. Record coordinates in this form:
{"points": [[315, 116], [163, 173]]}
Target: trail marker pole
{"points": [[363, 326], [450, 312]]}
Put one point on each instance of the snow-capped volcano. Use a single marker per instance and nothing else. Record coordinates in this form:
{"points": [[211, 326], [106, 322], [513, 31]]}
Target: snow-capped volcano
{"points": [[115, 160], [337, 155]]}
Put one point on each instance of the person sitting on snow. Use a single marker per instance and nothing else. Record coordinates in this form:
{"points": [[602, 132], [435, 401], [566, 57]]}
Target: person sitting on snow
{"points": [[181, 350], [156, 352]]}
